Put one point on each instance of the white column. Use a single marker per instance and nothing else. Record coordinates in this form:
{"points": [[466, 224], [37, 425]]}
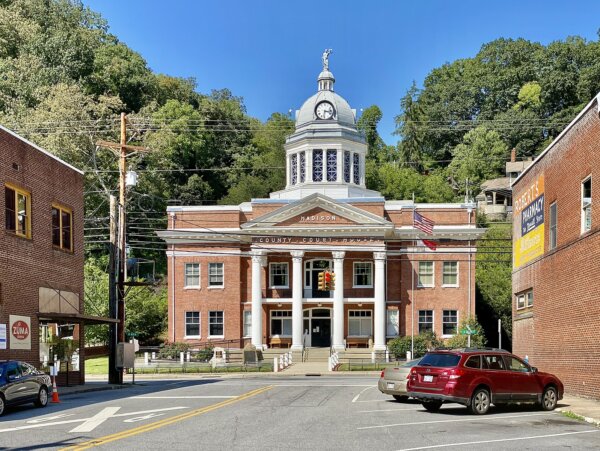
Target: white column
{"points": [[309, 165], [338, 300], [340, 165], [379, 320], [258, 261], [297, 318]]}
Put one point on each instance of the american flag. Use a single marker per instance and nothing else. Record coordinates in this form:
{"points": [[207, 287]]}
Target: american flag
{"points": [[423, 224]]}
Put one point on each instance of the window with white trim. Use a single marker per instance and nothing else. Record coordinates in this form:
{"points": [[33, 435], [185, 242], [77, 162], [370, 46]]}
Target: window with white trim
{"points": [[317, 165], [331, 165], [449, 322], [302, 167], [425, 321], [294, 168], [525, 299], [553, 226], [216, 321], [392, 323], [192, 275], [247, 323], [279, 275], [281, 323], [347, 167], [425, 274], [363, 275], [192, 324], [215, 274], [360, 323], [450, 274], [356, 168], [586, 205]]}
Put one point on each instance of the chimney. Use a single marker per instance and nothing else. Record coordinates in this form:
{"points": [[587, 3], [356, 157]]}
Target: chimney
{"points": [[513, 155]]}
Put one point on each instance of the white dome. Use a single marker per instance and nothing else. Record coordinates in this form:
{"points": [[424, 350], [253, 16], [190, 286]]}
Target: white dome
{"points": [[343, 112]]}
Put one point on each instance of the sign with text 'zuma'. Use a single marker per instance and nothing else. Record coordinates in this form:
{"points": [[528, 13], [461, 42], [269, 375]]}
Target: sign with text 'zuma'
{"points": [[528, 223], [20, 332]]}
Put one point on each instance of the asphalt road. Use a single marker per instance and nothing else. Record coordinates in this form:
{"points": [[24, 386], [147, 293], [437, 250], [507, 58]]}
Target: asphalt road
{"points": [[324, 413]]}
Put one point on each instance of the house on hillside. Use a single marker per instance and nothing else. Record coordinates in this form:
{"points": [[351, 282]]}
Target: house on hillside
{"points": [[556, 252]]}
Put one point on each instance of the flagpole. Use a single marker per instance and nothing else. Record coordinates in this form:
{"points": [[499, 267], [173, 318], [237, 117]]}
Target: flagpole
{"points": [[412, 303]]}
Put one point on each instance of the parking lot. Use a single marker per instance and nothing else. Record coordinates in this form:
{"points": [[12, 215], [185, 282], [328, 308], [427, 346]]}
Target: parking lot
{"points": [[279, 413]]}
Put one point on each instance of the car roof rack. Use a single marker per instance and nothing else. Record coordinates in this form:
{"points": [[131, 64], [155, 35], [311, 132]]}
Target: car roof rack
{"points": [[471, 349]]}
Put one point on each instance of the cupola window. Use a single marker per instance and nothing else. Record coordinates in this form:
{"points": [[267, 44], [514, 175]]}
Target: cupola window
{"points": [[356, 168], [317, 165], [294, 169], [346, 166], [302, 167], [331, 165]]}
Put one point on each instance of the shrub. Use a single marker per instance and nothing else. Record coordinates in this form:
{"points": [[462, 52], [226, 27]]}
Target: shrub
{"points": [[204, 355], [172, 350], [461, 341], [422, 343]]}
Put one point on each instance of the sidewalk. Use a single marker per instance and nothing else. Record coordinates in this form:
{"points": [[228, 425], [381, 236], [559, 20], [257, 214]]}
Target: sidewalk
{"points": [[588, 409]]}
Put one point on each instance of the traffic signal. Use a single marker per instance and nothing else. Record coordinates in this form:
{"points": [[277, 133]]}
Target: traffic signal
{"points": [[327, 280], [332, 283], [322, 281]]}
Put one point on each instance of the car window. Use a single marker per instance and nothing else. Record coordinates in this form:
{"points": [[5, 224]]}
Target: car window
{"points": [[515, 364], [494, 362], [440, 360], [26, 369], [12, 370], [473, 362]]}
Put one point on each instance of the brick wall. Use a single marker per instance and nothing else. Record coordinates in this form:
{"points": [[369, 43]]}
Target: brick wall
{"points": [[560, 332]]}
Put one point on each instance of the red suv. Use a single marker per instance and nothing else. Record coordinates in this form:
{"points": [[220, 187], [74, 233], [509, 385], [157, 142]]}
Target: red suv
{"points": [[477, 378]]}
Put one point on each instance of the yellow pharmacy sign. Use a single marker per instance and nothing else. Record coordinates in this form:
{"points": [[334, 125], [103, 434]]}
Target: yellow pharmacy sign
{"points": [[528, 224]]}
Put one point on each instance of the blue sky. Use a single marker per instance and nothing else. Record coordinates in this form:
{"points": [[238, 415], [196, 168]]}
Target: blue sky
{"points": [[269, 52]]}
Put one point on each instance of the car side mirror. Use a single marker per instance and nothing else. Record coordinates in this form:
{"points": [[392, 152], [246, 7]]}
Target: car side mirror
{"points": [[534, 369]]}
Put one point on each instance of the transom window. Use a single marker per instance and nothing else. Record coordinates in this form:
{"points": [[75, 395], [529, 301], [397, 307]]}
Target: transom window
{"points": [[215, 274], [294, 169], [450, 274], [215, 323], [346, 166], [317, 165], [331, 165], [62, 224], [363, 274], [281, 322], [425, 321], [356, 168], [360, 323], [279, 275], [302, 167], [18, 211], [192, 324], [192, 275], [449, 322], [425, 274], [525, 299], [586, 205]]}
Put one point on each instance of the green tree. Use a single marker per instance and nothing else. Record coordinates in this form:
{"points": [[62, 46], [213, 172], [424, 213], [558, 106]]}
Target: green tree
{"points": [[460, 340]]}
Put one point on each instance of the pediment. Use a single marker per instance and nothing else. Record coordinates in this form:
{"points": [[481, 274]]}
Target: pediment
{"points": [[316, 210]]}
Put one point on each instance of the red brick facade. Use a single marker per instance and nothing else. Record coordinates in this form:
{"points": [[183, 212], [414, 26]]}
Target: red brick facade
{"points": [[26, 264], [559, 332]]}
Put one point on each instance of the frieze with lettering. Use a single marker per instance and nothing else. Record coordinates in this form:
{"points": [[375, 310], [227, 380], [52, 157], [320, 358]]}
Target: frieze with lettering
{"points": [[315, 240]]}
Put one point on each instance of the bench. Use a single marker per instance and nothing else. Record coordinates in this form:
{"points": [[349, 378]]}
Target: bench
{"points": [[357, 342], [278, 342]]}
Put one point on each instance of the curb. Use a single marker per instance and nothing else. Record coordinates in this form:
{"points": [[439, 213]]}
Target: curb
{"points": [[589, 420], [93, 389]]}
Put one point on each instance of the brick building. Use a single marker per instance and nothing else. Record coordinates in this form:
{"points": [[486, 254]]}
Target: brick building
{"points": [[41, 251], [556, 289], [249, 272]]}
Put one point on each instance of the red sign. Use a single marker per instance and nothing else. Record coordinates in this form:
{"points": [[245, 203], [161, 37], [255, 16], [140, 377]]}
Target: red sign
{"points": [[20, 330]]}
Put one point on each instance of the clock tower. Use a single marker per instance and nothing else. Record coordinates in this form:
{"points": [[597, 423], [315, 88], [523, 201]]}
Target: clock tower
{"points": [[326, 153]]}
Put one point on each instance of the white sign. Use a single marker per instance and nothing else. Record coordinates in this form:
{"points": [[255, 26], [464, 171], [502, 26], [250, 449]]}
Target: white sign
{"points": [[20, 332], [2, 336]]}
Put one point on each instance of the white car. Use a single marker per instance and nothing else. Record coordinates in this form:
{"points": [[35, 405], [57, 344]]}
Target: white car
{"points": [[393, 380]]}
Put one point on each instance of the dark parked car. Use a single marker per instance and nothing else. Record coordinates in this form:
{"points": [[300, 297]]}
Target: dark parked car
{"points": [[477, 378], [21, 383]]}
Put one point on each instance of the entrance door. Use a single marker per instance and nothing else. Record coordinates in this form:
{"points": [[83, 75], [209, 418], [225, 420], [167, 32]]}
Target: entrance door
{"points": [[321, 332]]}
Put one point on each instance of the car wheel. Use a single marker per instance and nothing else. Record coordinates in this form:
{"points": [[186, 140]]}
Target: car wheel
{"points": [[432, 406], [2, 405], [400, 397], [549, 398], [480, 401], [42, 398]]}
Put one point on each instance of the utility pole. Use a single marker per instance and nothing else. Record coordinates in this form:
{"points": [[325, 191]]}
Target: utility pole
{"points": [[118, 256], [114, 376]]}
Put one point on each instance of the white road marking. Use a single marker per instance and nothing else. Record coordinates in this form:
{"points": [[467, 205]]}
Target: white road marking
{"points": [[362, 391], [455, 421], [91, 423], [142, 418], [184, 397], [79, 420], [532, 437], [386, 410], [54, 417]]}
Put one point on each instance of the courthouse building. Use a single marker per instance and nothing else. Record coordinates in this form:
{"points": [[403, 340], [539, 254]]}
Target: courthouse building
{"points": [[249, 272]]}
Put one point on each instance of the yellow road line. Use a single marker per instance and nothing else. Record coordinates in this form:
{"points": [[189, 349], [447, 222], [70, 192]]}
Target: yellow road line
{"points": [[167, 421]]}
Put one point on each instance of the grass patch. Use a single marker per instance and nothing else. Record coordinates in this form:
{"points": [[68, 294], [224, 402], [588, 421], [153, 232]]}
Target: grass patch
{"points": [[97, 366], [572, 415]]}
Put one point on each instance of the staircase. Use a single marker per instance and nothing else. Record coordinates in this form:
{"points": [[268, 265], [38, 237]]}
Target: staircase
{"points": [[314, 355]]}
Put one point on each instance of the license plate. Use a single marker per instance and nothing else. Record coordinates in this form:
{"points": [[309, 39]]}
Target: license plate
{"points": [[390, 385], [428, 378]]}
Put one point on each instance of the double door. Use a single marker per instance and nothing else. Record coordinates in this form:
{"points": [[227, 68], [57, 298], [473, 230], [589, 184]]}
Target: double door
{"points": [[317, 327]]}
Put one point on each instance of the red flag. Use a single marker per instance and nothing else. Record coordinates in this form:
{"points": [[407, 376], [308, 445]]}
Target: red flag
{"points": [[430, 244]]}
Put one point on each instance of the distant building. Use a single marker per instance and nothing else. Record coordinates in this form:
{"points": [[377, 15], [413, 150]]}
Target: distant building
{"points": [[41, 253], [250, 272], [495, 199], [556, 275]]}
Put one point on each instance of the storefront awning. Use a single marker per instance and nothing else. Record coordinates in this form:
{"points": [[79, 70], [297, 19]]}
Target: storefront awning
{"points": [[75, 318]]}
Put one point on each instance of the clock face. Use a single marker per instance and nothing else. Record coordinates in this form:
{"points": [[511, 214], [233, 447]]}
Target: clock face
{"points": [[324, 110]]}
